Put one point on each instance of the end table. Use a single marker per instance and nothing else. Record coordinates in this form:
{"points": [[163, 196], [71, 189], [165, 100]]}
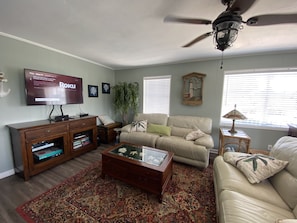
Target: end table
{"points": [[106, 133], [240, 139]]}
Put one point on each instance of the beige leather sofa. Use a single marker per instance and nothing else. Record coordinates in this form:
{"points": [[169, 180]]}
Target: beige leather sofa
{"points": [[192, 152], [269, 201]]}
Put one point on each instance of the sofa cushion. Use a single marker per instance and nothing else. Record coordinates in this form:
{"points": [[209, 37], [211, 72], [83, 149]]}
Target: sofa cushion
{"points": [[236, 207], [229, 177], [159, 129], [181, 147], [286, 221], [181, 132], [286, 185], [139, 126], [193, 135], [156, 118], [191, 122], [286, 149], [139, 138], [256, 167]]}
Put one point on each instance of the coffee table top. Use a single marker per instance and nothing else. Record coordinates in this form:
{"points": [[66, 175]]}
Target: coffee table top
{"points": [[141, 153]]}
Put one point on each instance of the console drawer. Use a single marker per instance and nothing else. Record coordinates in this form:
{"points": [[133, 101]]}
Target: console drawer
{"points": [[45, 132], [82, 124]]}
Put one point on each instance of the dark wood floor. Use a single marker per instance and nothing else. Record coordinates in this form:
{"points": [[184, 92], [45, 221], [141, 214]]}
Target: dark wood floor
{"points": [[14, 191]]}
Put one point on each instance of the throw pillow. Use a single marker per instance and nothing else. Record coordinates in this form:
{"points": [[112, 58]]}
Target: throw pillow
{"points": [[256, 167], [105, 119], [205, 140], [159, 129], [139, 126], [192, 136]]}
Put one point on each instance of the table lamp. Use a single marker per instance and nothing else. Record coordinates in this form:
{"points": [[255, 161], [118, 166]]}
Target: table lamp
{"points": [[234, 115]]}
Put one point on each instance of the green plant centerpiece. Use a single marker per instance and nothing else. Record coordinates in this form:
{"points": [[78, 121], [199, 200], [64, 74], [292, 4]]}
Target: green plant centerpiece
{"points": [[126, 99]]}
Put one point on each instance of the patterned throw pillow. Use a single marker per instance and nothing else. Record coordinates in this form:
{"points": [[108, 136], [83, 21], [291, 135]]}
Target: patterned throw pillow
{"points": [[192, 136], [256, 167], [139, 126]]}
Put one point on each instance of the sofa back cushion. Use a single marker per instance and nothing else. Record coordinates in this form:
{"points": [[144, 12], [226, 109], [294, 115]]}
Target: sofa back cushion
{"points": [[156, 118], [285, 182], [191, 122]]}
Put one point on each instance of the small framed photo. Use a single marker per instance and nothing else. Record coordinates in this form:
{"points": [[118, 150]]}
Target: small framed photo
{"points": [[105, 88], [93, 90]]}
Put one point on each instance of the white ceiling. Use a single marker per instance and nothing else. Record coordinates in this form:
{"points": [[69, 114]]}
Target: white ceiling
{"points": [[122, 34]]}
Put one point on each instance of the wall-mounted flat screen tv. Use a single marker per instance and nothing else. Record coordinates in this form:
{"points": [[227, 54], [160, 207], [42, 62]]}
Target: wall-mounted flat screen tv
{"points": [[45, 88]]}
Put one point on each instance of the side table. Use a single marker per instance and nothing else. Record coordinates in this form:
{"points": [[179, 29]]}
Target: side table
{"points": [[292, 130], [239, 139], [106, 133]]}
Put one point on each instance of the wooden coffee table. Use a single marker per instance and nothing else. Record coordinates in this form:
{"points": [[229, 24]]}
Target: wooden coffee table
{"points": [[141, 166]]}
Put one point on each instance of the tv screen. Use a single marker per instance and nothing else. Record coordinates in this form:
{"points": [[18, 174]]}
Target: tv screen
{"points": [[44, 88]]}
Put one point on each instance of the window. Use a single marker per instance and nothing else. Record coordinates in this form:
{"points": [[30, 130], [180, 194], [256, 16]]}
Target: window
{"points": [[156, 94], [266, 98]]}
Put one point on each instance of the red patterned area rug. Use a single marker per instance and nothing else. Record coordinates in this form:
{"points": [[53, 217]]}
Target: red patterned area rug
{"points": [[86, 197]]}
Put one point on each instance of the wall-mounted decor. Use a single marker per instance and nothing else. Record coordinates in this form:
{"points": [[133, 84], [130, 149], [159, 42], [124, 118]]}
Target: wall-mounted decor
{"points": [[93, 91], [105, 88], [2, 80], [193, 88]]}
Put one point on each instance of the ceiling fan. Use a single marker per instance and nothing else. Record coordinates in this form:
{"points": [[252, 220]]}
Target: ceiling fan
{"points": [[226, 26]]}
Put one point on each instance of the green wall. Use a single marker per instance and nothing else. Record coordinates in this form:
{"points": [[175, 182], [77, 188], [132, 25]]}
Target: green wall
{"points": [[213, 87], [16, 55]]}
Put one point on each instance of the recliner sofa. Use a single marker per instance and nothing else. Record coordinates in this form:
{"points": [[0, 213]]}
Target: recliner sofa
{"points": [[192, 152], [272, 200]]}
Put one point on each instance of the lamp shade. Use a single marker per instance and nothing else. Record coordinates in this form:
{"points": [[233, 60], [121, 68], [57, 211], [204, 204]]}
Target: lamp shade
{"points": [[234, 115]]}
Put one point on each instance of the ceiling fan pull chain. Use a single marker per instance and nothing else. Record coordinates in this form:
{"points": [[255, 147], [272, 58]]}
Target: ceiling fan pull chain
{"points": [[222, 60]]}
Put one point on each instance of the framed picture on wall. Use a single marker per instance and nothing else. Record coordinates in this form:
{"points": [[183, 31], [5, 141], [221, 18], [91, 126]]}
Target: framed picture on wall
{"points": [[93, 90], [105, 88]]}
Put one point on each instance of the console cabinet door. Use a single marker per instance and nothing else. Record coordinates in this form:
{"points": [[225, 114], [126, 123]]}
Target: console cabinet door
{"points": [[46, 152]]}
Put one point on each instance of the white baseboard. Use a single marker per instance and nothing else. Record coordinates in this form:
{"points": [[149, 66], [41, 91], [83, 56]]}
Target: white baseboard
{"points": [[7, 173]]}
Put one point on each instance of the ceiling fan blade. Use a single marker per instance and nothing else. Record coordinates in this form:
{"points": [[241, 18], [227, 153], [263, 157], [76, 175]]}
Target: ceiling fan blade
{"points": [[186, 20], [273, 19], [240, 6], [199, 38]]}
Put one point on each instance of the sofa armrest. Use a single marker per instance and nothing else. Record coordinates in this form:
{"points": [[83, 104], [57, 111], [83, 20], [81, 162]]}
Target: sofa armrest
{"points": [[205, 140], [126, 128]]}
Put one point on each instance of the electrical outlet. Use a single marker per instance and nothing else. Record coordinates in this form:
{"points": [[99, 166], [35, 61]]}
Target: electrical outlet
{"points": [[269, 147]]}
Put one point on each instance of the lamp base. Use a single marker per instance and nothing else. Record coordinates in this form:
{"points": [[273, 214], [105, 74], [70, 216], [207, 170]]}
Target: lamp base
{"points": [[232, 130]]}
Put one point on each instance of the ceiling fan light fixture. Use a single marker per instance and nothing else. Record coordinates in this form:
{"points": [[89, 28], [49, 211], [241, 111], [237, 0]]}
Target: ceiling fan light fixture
{"points": [[226, 33]]}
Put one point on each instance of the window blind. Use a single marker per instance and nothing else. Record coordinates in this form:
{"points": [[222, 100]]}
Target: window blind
{"points": [[156, 94], [266, 98]]}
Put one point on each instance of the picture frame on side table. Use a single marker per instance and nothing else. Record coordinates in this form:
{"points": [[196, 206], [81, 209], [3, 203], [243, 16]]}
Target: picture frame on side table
{"points": [[93, 91], [105, 88]]}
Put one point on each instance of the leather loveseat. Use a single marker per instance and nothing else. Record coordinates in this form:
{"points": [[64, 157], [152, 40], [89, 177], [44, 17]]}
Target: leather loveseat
{"points": [[169, 133], [271, 200]]}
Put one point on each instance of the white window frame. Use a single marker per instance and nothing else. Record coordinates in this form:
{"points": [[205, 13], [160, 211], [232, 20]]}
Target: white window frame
{"points": [[281, 87], [167, 77]]}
